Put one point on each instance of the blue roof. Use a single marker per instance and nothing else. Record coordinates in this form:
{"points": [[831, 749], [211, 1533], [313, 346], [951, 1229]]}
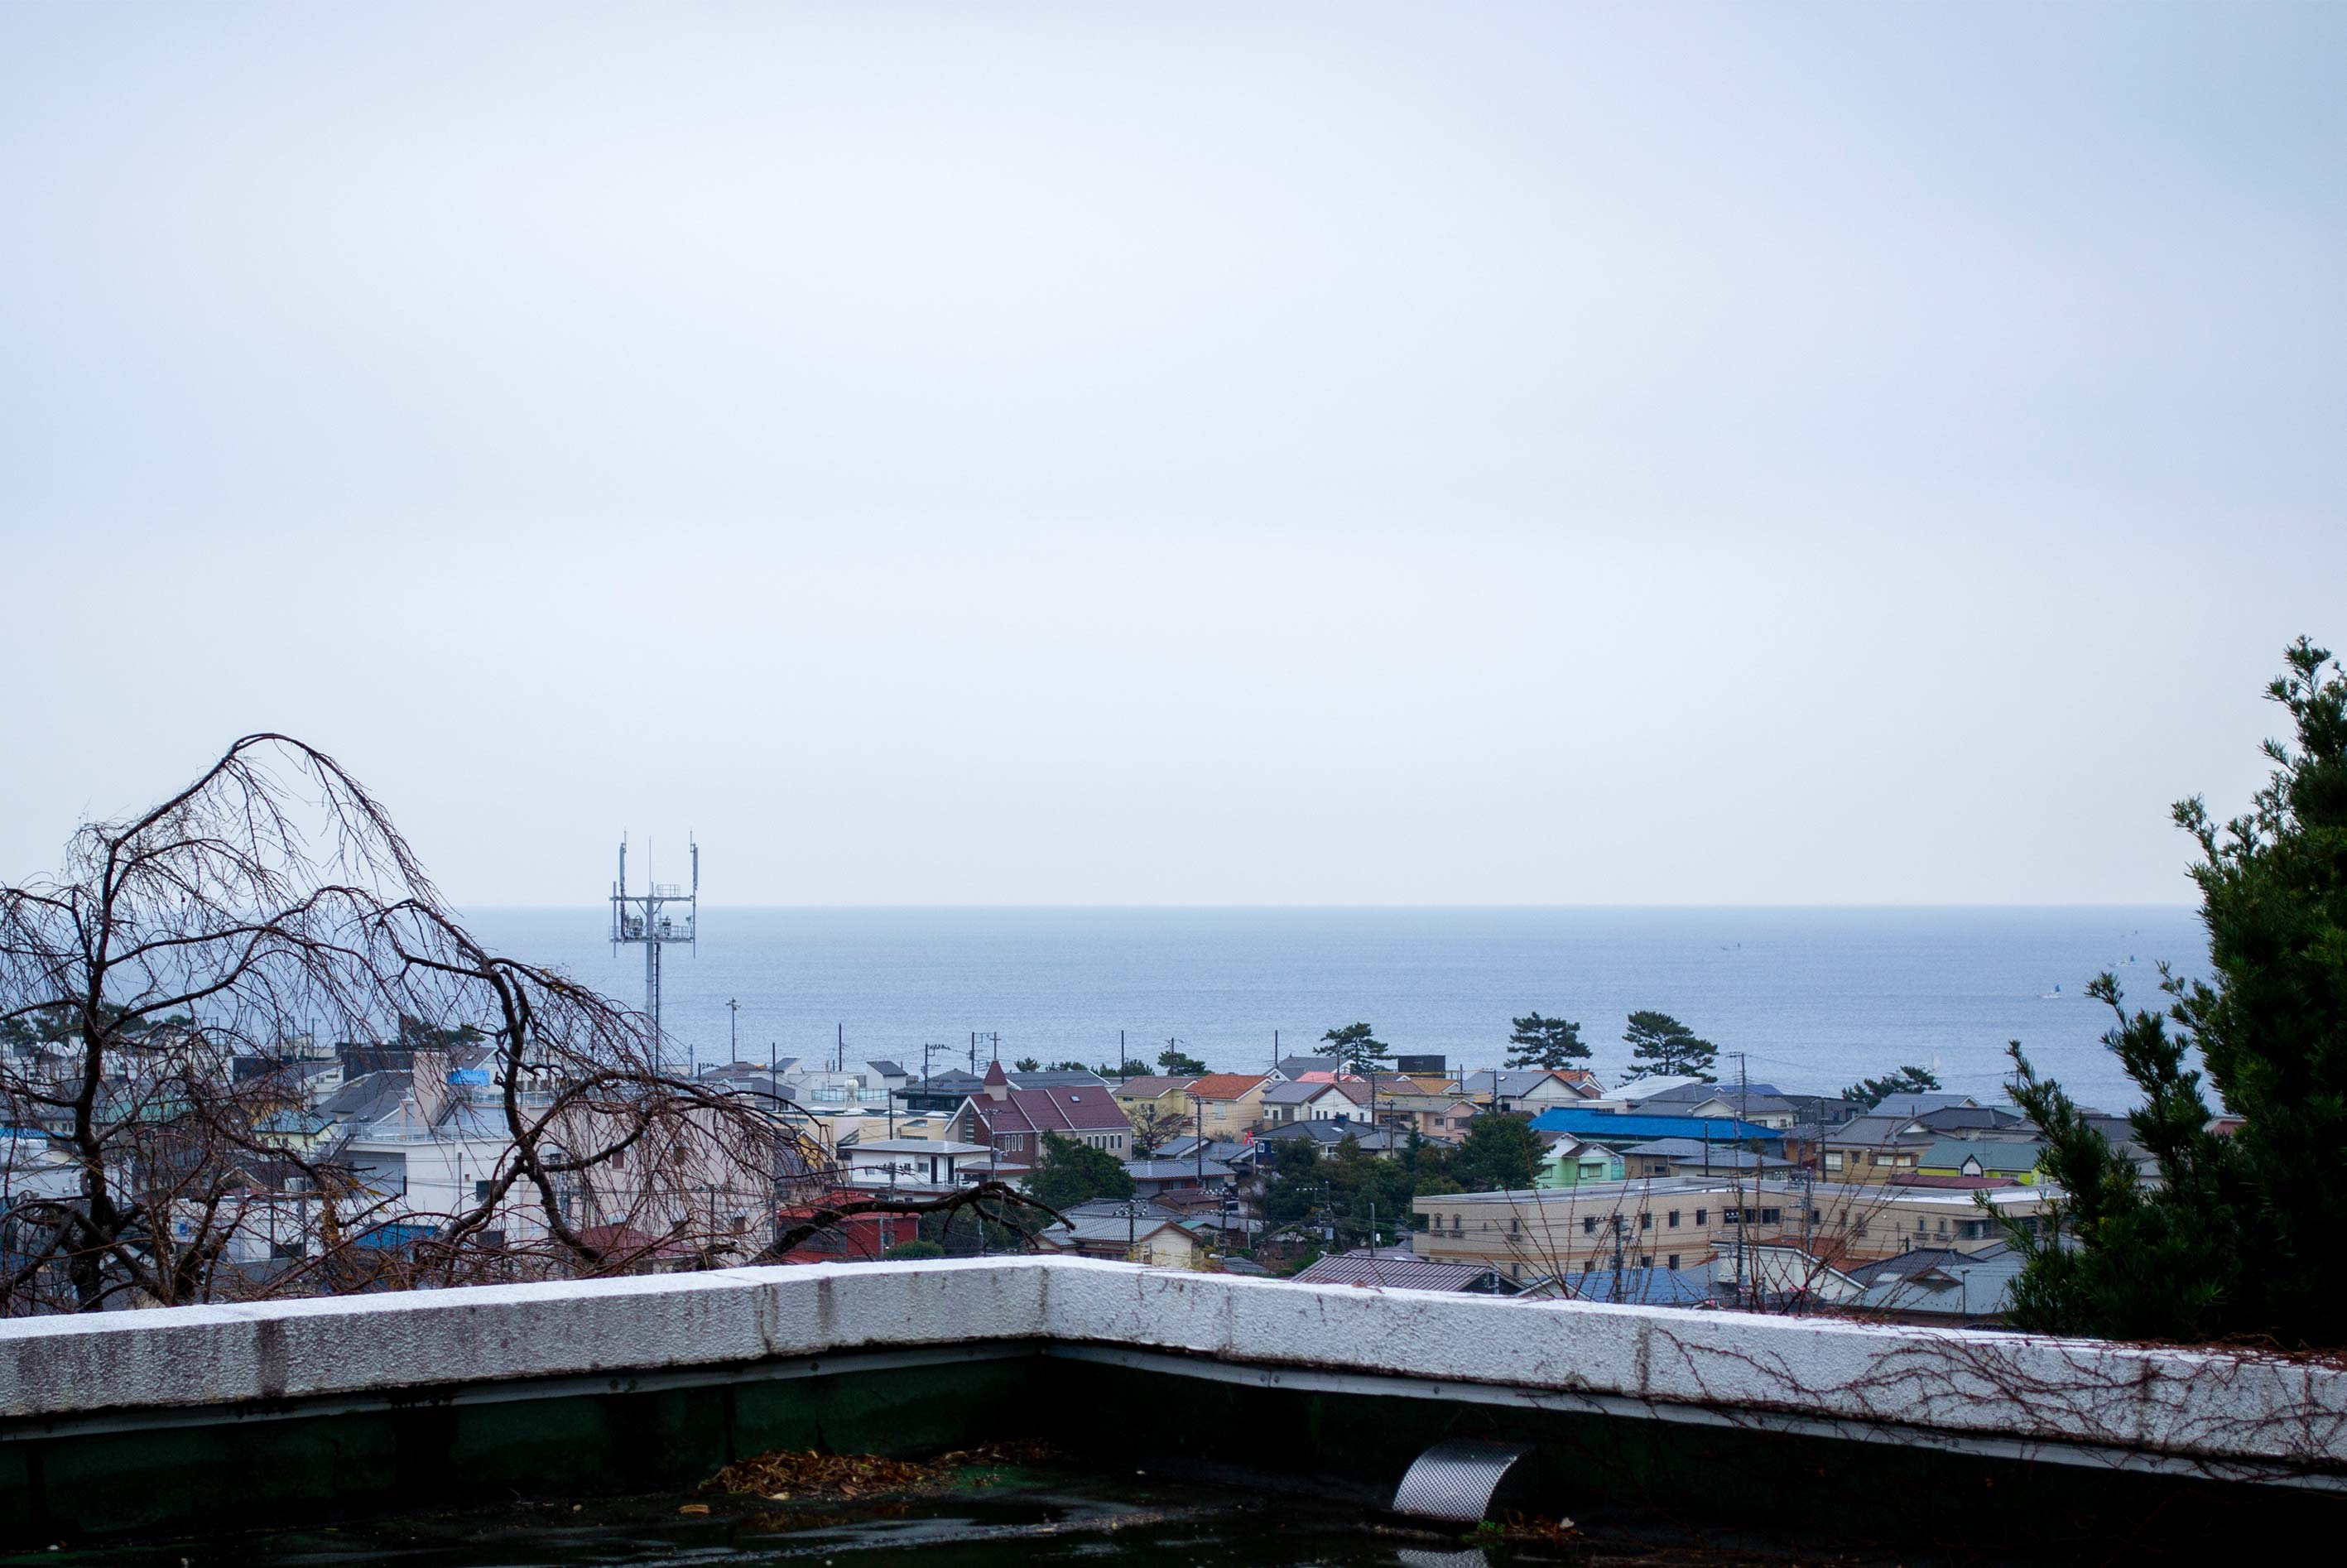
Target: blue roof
{"points": [[1644, 1286], [392, 1237], [1610, 1126]]}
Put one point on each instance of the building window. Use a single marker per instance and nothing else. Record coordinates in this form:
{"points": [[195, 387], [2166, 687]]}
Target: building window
{"points": [[1731, 1216], [1672, 1262], [1673, 1222], [1700, 1216], [1645, 1221], [1833, 1160], [1771, 1217], [480, 1192], [1645, 1260], [1589, 1225]]}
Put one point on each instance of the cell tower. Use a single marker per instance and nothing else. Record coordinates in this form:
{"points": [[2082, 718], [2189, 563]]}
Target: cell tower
{"points": [[650, 918]]}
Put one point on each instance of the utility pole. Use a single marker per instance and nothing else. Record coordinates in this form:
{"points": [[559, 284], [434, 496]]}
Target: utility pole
{"points": [[1743, 1215], [732, 1029]]}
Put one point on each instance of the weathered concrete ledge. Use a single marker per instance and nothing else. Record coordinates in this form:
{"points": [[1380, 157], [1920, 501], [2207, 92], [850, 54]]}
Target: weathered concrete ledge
{"points": [[2237, 1417]]}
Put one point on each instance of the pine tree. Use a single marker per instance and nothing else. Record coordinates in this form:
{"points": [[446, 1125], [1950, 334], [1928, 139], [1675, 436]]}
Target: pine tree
{"points": [[1546, 1042], [1356, 1049], [1872, 1092], [1661, 1046], [2240, 1233]]}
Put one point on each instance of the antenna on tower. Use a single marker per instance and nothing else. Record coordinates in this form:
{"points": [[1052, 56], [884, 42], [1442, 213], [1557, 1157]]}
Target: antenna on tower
{"points": [[666, 913]]}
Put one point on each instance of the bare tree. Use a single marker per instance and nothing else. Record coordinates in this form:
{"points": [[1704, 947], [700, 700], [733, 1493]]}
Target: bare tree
{"points": [[271, 901], [1154, 1127]]}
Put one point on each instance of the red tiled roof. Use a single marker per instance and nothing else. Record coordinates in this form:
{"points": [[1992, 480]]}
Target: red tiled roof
{"points": [[1225, 1085]]}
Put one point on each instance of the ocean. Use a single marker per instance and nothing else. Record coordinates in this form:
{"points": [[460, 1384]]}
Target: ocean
{"points": [[1815, 998]]}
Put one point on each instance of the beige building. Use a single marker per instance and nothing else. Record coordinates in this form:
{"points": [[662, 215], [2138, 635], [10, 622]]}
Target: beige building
{"points": [[1162, 1097], [1227, 1104], [1681, 1221]]}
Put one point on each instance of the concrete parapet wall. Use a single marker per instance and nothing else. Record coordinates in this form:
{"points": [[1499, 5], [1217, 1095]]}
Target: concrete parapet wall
{"points": [[2235, 1411], [2234, 1415]]}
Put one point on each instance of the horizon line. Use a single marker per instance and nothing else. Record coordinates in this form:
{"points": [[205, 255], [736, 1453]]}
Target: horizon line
{"points": [[1204, 907]]}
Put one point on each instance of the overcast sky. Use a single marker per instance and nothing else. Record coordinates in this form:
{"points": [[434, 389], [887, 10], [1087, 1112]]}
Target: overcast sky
{"points": [[1180, 453]]}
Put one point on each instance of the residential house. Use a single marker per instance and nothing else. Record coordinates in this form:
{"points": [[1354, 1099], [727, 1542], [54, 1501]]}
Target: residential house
{"points": [[1976, 1122], [1766, 1110], [1982, 1157], [1571, 1161], [1325, 1133], [1873, 1149], [1314, 1100], [1227, 1104], [926, 1166], [1919, 1104], [1934, 1284], [1012, 1120], [1157, 1178], [947, 1091], [294, 1131], [1443, 1118], [1294, 1069], [1399, 1268], [1152, 1095], [1125, 1228], [1626, 1096], [1237, 1154], [1530, 1090], [1694, 1157], [1825, 1110], [1756, 1102]]}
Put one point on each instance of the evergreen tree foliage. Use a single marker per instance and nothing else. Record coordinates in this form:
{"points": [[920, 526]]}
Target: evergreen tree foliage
{"points": [[1546, 1042], [1499, 1153], [1178, 1063], [1357, 1050], [1071, 1172], [2240, 1235], [1661, 1046], [1872, 1092]]}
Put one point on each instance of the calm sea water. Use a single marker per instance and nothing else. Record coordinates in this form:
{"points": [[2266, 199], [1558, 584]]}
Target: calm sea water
{"points": [[1816, 998]]}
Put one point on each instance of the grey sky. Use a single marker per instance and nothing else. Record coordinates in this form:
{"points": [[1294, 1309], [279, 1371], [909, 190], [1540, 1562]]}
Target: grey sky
{"points": [[1125, 455]]}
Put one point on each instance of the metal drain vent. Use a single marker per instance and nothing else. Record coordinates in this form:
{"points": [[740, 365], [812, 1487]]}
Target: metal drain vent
{"points": [[1455, 1479]]}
